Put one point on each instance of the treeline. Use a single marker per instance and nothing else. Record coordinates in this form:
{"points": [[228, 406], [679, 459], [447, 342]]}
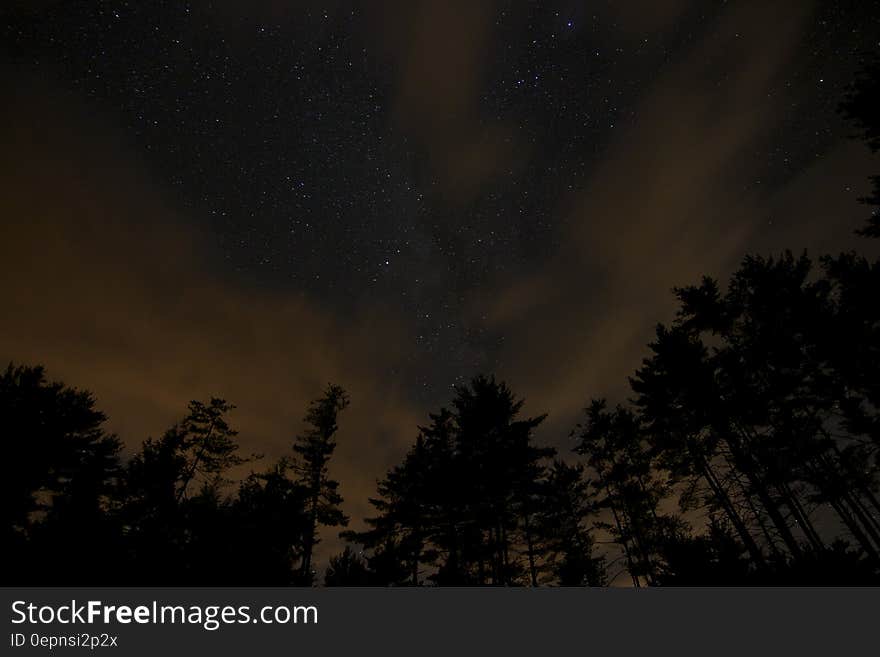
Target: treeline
{"points": [[75, 513], [748, 454], [475, 502]]}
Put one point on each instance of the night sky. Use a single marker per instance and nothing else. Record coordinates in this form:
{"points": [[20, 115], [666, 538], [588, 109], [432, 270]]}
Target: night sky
{"points": [[253, 199]]}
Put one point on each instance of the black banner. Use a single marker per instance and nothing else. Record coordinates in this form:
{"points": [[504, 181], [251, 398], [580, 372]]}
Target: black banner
{"points": [[234, 621]]}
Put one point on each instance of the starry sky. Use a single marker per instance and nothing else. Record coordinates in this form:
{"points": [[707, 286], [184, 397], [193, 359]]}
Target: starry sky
{"points": [[253, 199]]}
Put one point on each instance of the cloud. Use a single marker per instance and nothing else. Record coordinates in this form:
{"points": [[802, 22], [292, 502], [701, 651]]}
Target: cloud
{"points": [[671, 200], [108, 285], [439, 54]]}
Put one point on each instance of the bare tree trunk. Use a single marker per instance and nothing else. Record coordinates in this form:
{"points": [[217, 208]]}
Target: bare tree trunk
{"points": [[414, 573], [746, 465], [800, 515], [863, 490], [734, 517], [863, 517], [756, 512], [195, 464], [533, 572], [852, 499], [854, 529], [624, 543]]}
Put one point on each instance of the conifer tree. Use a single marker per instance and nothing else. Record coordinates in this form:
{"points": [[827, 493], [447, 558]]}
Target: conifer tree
{"points": [[313, 448]]}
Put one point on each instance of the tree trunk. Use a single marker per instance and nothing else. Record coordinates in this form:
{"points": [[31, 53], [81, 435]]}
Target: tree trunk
{"points": [[623, 542], [733, 516], [855, 530], [746, 465], [533, 572], [803, 520]]}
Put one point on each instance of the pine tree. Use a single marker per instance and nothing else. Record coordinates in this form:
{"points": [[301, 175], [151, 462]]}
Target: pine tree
{"points": [[626, 483], [461, 505], [565, 506], [61, 470], [348, 569], [314, 448], [172, 497]]}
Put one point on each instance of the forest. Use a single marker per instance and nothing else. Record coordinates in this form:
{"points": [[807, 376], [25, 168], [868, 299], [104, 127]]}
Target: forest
{"points": [[747, 454]]}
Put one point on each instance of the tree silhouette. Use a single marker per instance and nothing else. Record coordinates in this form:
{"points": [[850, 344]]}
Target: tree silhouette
{"points": [[499, 465], [626, 483], [270, 520], [404, 522], [313, 449], [207, 445], [61, 466], [420, 520], [565, 506], [163, 519], [462, 504], [348, 569], [772, 421], [715, 558], [677, 402]]}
